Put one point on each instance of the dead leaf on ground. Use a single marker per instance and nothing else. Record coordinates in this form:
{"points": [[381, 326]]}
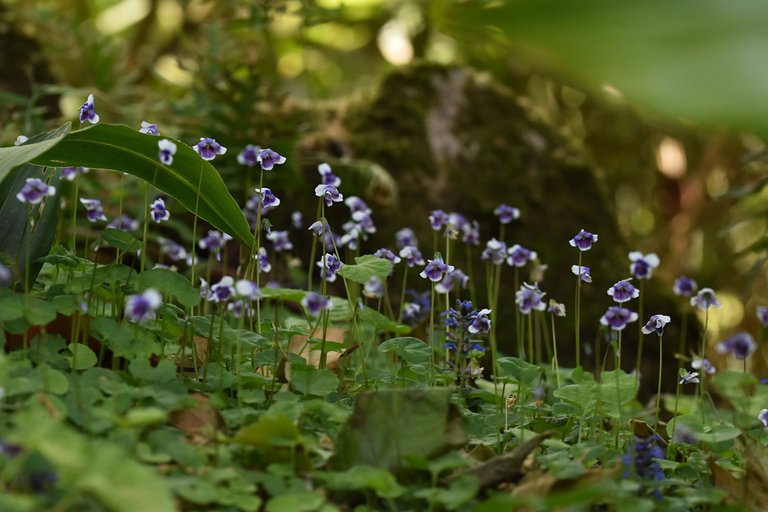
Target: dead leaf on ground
{"points": [[750, 490], [298, 345], [200, 422]]}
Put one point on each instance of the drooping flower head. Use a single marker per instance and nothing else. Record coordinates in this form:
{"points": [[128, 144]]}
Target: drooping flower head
{"points": [[167, 150], [329, 264], [314, 303], [141, 307], [208, 148], [583, 240], [471, 233], [280, 240], [763, 417], [388, 255], [149, 128], [330, 193], [451, 279], [762, 315], [263, 265], [124, 223], [158, 211], [583, 272], [518, 256], [495, 251], [222, 291], [34, 190], [247, 289], [623, 291], [705, 299], [327, 177], [506, 213], [656, 324], [70, 173], [268, 159], [318, 228], [438, 219], [405, 237], [93, 209], [642, 266], [740, 345], [214, 242], [374, 288], [411, 255], [529, 298], [556, 308], [173, 250], [685, 286], [87, 112], [266, 197], [249, 156], [689, 377], [481, 323], [704, 365], [435, 269], [617, 318]]}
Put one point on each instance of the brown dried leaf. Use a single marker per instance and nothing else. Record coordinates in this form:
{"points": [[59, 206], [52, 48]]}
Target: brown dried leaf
{"points": [[751, 490], [200, 422]]}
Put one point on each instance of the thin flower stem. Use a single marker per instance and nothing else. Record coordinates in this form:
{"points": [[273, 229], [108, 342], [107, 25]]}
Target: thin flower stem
{"points": [[674, 425], [683, 331], [470, 274], [120, 212], [75, 190], [554, 351], [430, 337], [703, 374], [314, 246], [658, 389], [640, 337], [530, 335], [618, 388], [146, 227], [402, 294], [577, 311]]}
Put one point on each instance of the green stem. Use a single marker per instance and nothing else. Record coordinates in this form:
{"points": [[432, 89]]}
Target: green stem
{"points": [[640, 337], [554, 351], [658, 389], [577, 308]]}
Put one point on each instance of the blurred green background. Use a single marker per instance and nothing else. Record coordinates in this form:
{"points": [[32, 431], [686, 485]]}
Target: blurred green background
{"points": [[664, 101]]}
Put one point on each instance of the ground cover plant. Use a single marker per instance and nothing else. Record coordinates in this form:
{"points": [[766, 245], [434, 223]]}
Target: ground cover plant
{"points": [[205, 366]]}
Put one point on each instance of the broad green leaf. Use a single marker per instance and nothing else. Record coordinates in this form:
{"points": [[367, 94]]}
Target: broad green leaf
{"points": [[410, 350], [38, 311], [388, 427], [11, 305], [288, 294], [120, 239], [14, 156], [296, 502], [171, 284], [693, 59], [365, 477], [82, 356], [381, 322], [190, 180], [309, 380], [366, 267]]}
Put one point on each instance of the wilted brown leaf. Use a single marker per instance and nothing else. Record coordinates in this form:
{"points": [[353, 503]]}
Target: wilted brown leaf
{"points": [[200, 422], [750, 490]]}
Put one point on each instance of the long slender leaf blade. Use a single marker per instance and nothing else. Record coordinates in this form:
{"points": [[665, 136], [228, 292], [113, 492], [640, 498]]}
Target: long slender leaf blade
{"points": [[14, 156], [122, 148]]}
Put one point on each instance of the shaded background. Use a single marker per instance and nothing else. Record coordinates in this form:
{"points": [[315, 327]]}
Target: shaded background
{"points": [[592, 117]]}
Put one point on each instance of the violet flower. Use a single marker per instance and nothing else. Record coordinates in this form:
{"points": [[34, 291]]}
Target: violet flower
{"points": [[556, 308], [266, 197], [617, 318], [705, 299], [21, 139], [690, 378], [124, 223], [703, 365], [583, 240], [141, 307], [93, 209], [623, 291], [158, 211], [435, 269], [583, 272], [222, 291], [87, 112], [495, 251], [280, 240], [506, 213], [642, 266], [149, 128], [374, 288], [451, 279], [685, 286], [70, 173], [656, 324], [208, 148], [529, 298], [405, 237], [481, 323], [264, 267], [314, 303], [174, 251], [297, 219], [740, 345], [387, 255], [214, 242], [249, 156], [762, 315], [268, 159], [329, 264], [34, 190], [412, 256], [330, 193], [518, 256], [327, 177], [471, 233], [438, 219], [247, 289], [167, 150], [763, 417]]}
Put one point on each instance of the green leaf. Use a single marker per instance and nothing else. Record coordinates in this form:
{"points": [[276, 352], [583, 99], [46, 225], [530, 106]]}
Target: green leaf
{"points": [[14, 156], [309, 380], [366, 267], [410, 350], [11, 305], [691, 59], [120, 239], [296, 502], [82, 356], [388, 427], [365, 477], [122, 148], [171, 284], [382, 323], [38, 311]]}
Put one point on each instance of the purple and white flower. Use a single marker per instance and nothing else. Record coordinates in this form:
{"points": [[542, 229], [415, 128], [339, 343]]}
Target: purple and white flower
{"points": [[690, 378], [518, 256], [247, 289], [330, 193], [471, 233], [174, 251], [93, 209], [495, 251], [158, 211], [70, 173], [208, 148], [762, 315], [314, 303], [124, 223], [481, 323], [268, 159], [411, 255], [249, 156], [617, 318], [685, 286], [167, 150], [266, 197], [87, 112], [374, 288], [506, 213], [705, 299], [222, 291], [623, 291], [556, 308], [318, 228], [763, 417], [327, 177], [405, 237], [297, 219], [451, 279], [583, 240], [703, 365], [642, 266], [280, 240], [583, 272], [264, 267], [435, 269], [529, 298], [740, 345], [329, 264], [438, 219], [34, 191], [656, 324], [149, 128], [388, 255], [214, 242], [141, 307]]}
